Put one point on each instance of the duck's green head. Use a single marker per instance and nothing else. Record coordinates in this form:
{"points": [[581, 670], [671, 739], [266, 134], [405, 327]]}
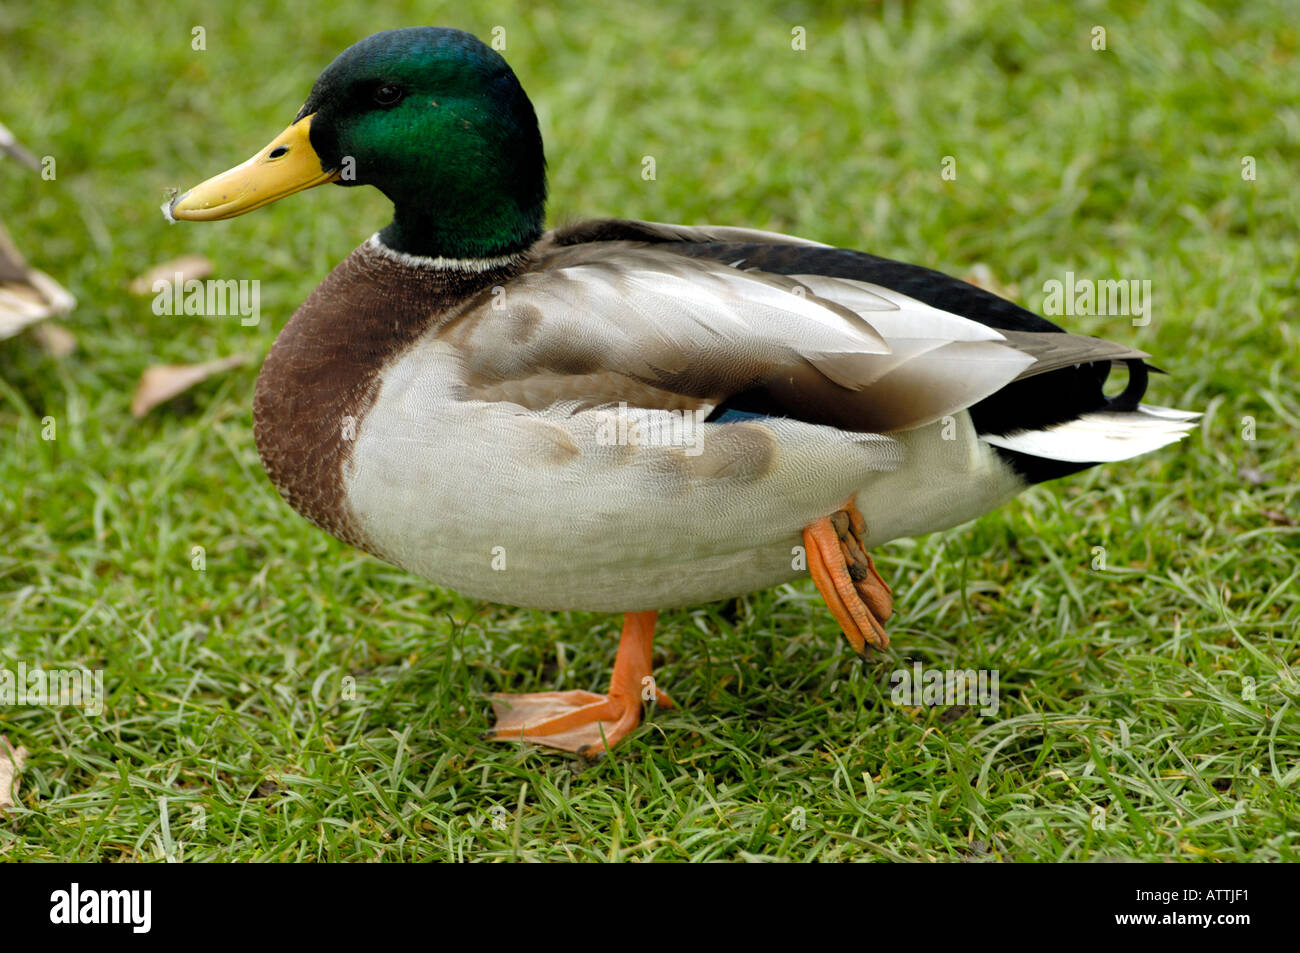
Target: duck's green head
{"points": [[430, 116]]}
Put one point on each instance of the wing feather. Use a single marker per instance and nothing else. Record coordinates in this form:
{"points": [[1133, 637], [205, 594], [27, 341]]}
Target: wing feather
{"points": [[824, 350]]}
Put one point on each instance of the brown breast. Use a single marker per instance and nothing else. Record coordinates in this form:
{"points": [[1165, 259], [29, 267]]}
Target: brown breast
{"points": [[323, 372]]}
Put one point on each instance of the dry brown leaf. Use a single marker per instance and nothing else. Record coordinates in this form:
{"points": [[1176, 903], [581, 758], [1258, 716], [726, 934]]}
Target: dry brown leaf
{"points": [[1276, 516], [162, 382], [1252, 475], [57, 340], [19, 307], [187, 266], [26, 295], [11, 765], [981, 276]]}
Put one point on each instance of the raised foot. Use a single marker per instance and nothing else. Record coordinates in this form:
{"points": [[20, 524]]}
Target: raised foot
{"points": [[847, 579]]}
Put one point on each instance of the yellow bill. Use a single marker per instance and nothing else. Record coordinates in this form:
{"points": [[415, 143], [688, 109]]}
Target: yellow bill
{"points": [[288, 164]]}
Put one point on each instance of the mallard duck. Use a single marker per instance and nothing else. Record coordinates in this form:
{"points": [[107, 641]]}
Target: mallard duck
{"points": [[628, 416]]}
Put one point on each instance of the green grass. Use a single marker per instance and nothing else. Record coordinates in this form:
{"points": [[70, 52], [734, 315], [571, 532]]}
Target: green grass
{"points": [[226, 701]]}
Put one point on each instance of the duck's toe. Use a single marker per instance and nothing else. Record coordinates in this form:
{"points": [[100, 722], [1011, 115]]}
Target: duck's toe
{"points": [[847, 579]]}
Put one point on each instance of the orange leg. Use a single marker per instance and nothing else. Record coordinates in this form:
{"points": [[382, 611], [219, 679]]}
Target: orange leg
{"points": [[847, 578], [585, 722]]}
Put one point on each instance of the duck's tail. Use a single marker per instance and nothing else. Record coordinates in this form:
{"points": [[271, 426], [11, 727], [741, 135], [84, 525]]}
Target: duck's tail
{"points": [[1102, 436]]}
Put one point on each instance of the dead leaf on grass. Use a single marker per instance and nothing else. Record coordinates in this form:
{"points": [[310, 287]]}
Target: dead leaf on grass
{"points": [[162, 382], [177, 270], [11, 765]]}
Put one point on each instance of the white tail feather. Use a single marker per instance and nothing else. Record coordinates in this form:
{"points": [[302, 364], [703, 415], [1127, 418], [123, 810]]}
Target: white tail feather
{"points": [[1102, 437]]}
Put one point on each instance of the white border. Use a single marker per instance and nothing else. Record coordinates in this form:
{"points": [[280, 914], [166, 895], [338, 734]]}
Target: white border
{"points": [[440, 264]]}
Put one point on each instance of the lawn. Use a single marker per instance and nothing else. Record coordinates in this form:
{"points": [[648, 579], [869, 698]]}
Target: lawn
{"points": [[294, 699]]}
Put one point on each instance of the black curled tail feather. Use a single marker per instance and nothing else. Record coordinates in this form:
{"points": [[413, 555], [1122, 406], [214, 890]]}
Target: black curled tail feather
{"points": [[1136, 388]]}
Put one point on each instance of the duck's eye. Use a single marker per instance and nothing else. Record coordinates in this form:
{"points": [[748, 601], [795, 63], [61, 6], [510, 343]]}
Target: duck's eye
{"points": [[388, 95]]}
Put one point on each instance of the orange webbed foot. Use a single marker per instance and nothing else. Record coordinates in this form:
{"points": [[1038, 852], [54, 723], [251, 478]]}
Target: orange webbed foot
{"points": [[586, 722], [847, 579]]}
